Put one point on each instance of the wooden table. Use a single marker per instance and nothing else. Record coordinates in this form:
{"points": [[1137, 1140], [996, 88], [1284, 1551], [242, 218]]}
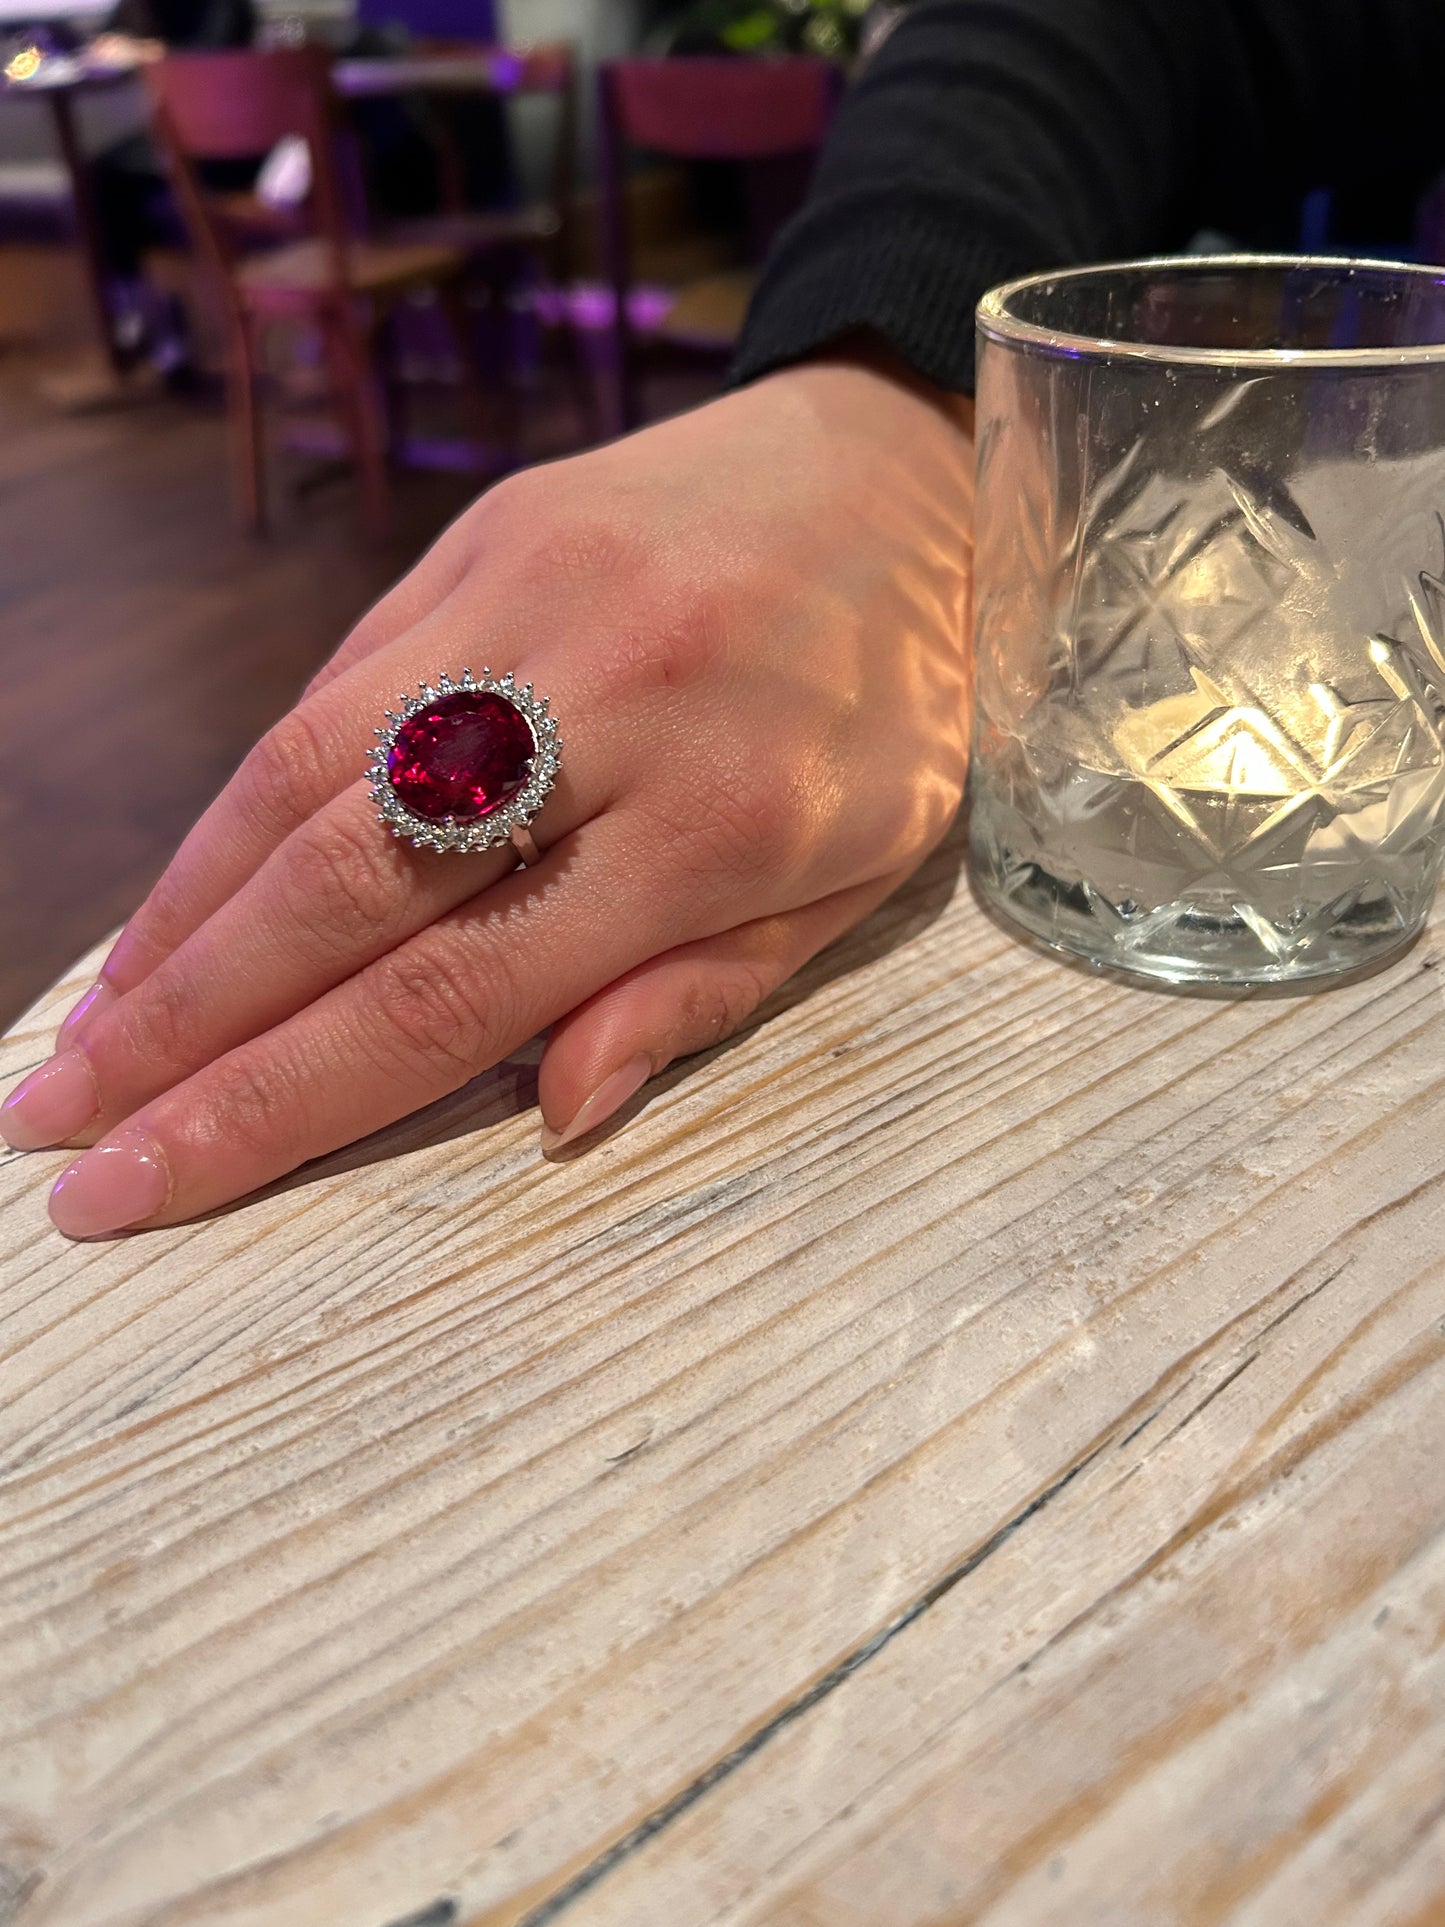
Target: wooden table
{"points": [[486, 70], [971, 1450]]}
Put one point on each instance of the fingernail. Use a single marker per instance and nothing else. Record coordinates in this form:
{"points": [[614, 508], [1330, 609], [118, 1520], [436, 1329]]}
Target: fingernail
{"points": [[51, 1105], [97, 998], [609, 1096], [118, 1183]]}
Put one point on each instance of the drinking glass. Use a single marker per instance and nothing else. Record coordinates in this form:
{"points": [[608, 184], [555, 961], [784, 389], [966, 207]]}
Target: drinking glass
{"points": [[1209, 735]]}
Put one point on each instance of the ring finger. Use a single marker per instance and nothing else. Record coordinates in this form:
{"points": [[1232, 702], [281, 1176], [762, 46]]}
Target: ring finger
{"points": [[337, 894], [310, 757]]}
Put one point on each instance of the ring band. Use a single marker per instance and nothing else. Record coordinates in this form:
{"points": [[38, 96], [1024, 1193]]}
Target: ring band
{"points": [[525, 844], [466, 764]]}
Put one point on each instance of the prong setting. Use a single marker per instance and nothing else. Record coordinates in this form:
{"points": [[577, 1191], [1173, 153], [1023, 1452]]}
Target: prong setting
{"points": [[484, 833]]}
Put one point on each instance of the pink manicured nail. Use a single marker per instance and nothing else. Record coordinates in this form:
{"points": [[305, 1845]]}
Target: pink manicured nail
{"points": [[610, 1095], [51, 1105], [120, 1182], [99, 997]]}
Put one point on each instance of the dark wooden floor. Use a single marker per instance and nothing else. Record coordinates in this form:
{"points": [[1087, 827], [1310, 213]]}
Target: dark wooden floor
{"points": [[145, 643]]}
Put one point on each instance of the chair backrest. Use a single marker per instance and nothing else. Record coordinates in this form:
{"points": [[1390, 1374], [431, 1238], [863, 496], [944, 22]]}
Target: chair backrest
{"points": [[236, 106], [719, 107], [771, 115]]}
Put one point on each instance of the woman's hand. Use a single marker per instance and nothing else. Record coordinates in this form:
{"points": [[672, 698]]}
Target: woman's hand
{"points": [[750, 622]]}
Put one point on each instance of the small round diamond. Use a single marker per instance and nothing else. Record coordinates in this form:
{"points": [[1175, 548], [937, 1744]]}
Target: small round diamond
{"points": [[461, 757]]}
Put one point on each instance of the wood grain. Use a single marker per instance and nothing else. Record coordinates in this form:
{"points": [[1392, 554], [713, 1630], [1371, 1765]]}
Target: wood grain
{"points": [[967, 1451]]}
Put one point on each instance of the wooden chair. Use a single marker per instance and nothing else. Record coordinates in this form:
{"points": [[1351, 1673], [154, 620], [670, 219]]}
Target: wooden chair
{"points": [[512, 250], [237, 106], [541, 229], [705, 108]]}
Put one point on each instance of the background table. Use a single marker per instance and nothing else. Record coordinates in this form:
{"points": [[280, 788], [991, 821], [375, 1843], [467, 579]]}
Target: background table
{"points": [[971, 1450], [489, 71], [60, 97]]}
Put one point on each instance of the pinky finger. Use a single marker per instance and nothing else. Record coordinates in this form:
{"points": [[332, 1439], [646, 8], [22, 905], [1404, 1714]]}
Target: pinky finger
{"points": [[682, 1001]]}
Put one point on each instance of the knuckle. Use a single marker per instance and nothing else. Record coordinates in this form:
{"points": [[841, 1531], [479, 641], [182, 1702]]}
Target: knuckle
{"points": [[677, 647], [511, 497], [285, 773], [155, 1026], [162, 922], [745, 827], [716, 1007], [338, 885], [744, 832], [250, 1105], [591, 549], [430, 1009]]}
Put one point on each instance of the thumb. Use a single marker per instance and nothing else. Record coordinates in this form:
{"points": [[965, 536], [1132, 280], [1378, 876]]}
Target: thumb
{"points": [[684, 1000]]}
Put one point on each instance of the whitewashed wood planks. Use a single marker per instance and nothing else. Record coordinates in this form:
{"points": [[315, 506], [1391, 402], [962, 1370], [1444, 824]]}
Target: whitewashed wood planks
{"points": [[972, 1450]]}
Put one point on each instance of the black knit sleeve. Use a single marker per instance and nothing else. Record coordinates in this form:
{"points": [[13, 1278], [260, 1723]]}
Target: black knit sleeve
{"points": [[992, 137]]}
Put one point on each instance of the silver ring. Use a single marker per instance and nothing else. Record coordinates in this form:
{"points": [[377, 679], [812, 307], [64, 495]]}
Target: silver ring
{"points": [[466, 764], [525, 844]]}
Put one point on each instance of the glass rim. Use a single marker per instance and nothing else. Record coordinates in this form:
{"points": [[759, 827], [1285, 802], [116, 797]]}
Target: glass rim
{"points": [[995, 321]]}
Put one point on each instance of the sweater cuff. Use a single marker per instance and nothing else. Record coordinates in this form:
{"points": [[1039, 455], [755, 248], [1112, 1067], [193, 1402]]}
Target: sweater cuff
{"points": [[915, 284]]}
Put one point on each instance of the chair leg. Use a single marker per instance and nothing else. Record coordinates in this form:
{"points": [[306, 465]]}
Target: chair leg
{"points": [[583, 378], [241, 376], [621, 411], [490, 403], [354, 372], [393, 390]]}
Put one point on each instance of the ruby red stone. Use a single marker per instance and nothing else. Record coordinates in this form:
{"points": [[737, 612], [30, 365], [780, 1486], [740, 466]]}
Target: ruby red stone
{"points": [[461, 757]]}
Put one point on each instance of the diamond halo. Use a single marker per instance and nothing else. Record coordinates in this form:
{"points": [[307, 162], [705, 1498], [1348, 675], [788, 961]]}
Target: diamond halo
{"points": [[484, 833]]}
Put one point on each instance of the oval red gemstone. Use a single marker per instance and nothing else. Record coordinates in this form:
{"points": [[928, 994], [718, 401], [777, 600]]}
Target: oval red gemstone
{"points": [[461, 757]]}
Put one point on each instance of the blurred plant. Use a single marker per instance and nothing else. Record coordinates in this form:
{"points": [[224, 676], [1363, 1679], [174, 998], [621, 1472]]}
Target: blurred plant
{"points": [[830, 28]]}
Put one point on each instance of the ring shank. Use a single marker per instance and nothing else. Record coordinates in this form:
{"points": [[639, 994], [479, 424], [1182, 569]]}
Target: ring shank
{"points": [[525, 844]]}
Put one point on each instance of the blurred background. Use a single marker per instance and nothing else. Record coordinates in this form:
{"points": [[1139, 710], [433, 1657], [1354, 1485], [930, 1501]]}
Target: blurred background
{"points": [[282, 287]]}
